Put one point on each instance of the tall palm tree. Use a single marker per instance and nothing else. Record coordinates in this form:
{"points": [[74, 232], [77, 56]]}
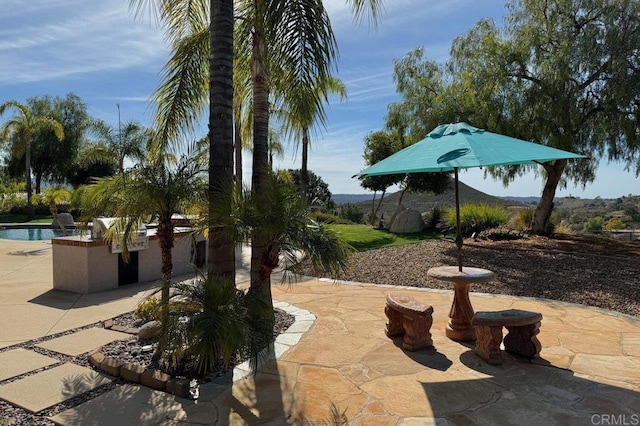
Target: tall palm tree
{"points": [[195, 77], [300, 112], [129, 140], [20, 129]]}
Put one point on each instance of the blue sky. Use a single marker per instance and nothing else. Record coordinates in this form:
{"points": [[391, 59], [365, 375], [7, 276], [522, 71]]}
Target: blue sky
{"points": [[99, 51]]}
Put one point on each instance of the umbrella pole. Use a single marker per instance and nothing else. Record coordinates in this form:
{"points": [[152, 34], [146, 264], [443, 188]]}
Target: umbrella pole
{"points": [[458, 233]]}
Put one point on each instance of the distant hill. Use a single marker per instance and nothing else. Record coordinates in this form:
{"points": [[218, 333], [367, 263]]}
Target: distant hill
{"points": [[425, 202], [350, 198]]}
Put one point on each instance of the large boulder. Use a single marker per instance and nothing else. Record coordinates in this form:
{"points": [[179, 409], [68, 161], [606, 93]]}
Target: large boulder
{"points": [[150, 330], [407, 221], [65, 218]]}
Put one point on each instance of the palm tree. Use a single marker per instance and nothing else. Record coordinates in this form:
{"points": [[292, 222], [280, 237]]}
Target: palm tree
{"points": [[300, 112], [195, 77], [210, 321], [295, 36], [278, 216], [20, 129], [129, 140], [159, 187]]}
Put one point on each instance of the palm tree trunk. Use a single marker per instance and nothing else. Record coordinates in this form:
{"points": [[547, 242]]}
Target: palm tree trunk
{"points": [[260, 280], [27, 156], [304, 172], [38, 182], [540, 221], [221, 260], [165, 240]]}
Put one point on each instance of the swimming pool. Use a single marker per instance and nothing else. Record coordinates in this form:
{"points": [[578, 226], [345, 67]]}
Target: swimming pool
{"points": [[31, 234]]}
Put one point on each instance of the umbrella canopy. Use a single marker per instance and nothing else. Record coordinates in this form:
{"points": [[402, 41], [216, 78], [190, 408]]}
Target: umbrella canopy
{"points": [[450, 147], [462, 146]]}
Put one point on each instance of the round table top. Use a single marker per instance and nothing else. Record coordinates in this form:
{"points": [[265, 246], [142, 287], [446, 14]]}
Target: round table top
{"points": [[468, 274]]}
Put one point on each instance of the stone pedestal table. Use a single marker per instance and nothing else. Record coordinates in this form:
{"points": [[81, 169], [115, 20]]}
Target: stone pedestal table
{"points": [[459, 327]]}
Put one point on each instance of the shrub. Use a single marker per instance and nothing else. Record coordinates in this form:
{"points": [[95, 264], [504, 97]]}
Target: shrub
{"points": [[615, 223], [476, 218], [324, 217], [522, 219], [351, 212], [11, 200], [563, 228], [500, 234], [148, 310], [434, 217], [593, 224]]}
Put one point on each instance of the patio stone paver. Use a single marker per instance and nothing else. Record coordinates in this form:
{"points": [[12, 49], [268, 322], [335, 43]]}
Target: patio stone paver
{"points": [[631, 344], [83, 341], [20, 361], [50, 387], [123, 404], [345, 360]]}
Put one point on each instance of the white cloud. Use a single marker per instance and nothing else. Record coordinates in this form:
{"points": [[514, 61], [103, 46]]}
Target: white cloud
{"points": [[74, 38]]}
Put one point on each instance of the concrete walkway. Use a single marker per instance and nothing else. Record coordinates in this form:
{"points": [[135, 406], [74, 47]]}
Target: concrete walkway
{"points": [[336, 361]]}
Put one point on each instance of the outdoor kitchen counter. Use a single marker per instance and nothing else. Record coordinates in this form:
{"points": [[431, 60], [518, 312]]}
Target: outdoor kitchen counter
{"points": [[459, 327]]}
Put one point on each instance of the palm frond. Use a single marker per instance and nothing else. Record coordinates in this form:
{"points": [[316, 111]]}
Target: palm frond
{"points": [[183, 93]]}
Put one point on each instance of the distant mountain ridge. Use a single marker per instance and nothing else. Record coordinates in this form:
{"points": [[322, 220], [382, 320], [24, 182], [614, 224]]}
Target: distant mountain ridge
{"points": [[524, 200], [350, 198], [424, 202]]}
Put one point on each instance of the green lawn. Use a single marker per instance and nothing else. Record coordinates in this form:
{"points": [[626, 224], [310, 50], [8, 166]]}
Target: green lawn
{"points": [[22, 218], [364, 237]]}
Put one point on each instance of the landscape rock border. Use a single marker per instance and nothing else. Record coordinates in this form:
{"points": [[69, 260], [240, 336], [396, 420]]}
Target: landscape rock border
{"points": [[180, 387]]}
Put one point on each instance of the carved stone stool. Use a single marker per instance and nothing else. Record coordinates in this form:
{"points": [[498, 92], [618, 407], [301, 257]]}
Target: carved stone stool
{"points": [[411, 319], [522, 327]]}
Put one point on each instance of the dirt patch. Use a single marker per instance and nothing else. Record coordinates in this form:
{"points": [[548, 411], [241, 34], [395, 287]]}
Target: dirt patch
{"points": [[594, 271]]}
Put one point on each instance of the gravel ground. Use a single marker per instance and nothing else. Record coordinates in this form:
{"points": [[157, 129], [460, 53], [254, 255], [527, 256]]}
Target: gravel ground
{"points": [[592, 271], [127, 350]]}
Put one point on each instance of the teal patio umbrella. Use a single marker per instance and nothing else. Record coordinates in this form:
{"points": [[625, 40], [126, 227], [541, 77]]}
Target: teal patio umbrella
{"points": [[450, 147]]}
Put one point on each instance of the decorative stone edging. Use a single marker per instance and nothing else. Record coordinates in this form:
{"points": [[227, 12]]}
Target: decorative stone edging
{"points": [[285, 341], [158, 380]]}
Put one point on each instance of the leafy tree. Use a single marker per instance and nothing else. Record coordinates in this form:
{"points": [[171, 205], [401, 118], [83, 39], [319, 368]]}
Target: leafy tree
{"points": [[562, 73], [317, 191], [94, 160], [422, 84], [50, 158], [378, 146], [20, 130]]}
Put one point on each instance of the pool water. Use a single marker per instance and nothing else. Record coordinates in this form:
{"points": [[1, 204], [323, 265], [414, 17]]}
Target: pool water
{"points": [[32, 234]]}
